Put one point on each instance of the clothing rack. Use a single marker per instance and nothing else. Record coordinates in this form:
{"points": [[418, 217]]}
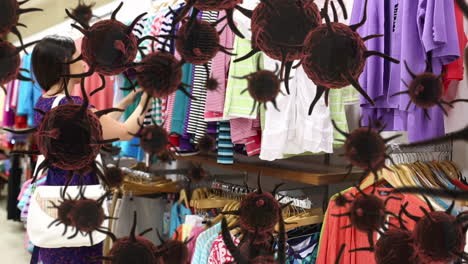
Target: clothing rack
{"points": [[314, 174], [141, 174], [241, 190], [442, 151]]}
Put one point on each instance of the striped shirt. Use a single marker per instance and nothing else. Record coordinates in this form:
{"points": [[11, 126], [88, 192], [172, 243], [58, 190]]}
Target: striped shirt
{"points": [[196, 124]]}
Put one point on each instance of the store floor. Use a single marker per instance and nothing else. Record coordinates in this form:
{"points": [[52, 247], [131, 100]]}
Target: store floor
{"points": [[11, 238]]}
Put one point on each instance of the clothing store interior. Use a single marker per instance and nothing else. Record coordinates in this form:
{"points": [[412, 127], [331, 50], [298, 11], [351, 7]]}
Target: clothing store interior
{"points": [[233, 131]]}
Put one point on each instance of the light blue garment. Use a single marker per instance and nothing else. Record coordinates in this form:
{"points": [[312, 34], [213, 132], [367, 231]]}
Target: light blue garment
{"points": [[181, 102], [178, 213], [203, 245], [29, 92]]}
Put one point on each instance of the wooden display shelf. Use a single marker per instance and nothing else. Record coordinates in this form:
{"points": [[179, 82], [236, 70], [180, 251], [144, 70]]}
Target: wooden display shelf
{"points": [[314, 174]]}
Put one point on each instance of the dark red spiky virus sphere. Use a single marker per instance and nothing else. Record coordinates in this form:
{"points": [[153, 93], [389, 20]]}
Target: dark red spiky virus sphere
{"points": [[115, 176], [396, 246], [334, 56], [367, 213], [463, 5], [109, 47], [206, 144], [211, 5], [336, 46], [83, 12], [366, 149], [131, 249], [279, 28], [10, 11], [160, 75], [263, 86], [426, 90], [70, 137], [212, 84], [197, 41], [259, 212], [258, 246], [154, 140], [82, 214], [172, 251], [439, 237], [196, 173], [10, 63]]}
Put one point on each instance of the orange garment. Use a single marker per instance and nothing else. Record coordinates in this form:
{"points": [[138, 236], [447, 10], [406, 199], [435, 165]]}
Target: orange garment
{"points": [[178, 233], [454, 70], [333, 236], [102, 99]]}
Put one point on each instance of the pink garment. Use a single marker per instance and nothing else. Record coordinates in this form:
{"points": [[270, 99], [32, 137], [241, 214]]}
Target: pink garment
{"points": [[10, 103], [23, 189], [14, 96], [196, 231], [243, 128], [168, 113], [248, 132], [102, 99], [219, 253], [253, 145], [219, 70]]}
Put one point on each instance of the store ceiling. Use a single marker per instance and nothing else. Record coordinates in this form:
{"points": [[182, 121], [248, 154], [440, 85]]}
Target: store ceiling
{"points": [[53, 14]]}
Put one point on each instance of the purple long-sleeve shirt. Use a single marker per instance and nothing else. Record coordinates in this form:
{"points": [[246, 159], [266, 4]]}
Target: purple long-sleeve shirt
{"points": [[411, 28]]}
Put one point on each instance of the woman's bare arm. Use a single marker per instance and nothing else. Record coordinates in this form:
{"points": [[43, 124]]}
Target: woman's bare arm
{"points": [[124, 104], [114, 129]]}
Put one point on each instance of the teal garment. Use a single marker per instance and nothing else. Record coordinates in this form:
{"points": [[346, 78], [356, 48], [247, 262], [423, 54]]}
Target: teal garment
{"points": [[178, 213], [181, 102], [128, 148], [306, 253], [203, 245]]}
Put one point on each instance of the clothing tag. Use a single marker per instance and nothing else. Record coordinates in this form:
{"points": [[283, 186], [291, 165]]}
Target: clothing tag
{"points": [[166, 223], [193, 220], [384, 193]]}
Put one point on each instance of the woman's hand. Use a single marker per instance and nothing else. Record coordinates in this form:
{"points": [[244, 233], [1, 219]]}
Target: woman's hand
{"points": [[125, 103], [143, 99], [130, 98]]}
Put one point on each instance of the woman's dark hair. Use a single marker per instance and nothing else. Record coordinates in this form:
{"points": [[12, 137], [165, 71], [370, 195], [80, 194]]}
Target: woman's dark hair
{"points": [[48, 60]]}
